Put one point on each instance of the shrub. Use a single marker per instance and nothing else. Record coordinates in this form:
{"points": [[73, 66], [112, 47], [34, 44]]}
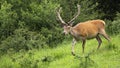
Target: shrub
{"points": [[23, 39], [7, 20], [114, 27]]}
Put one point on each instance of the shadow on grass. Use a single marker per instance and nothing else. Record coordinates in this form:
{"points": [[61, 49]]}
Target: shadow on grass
{"points": [[108, 47], [111, 46]]}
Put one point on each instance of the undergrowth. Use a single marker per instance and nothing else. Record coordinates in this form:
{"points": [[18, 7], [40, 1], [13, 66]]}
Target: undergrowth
{"points": [[60, 57]]}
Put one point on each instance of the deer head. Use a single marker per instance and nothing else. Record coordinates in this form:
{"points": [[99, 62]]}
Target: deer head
{"points": [[67, 26]]}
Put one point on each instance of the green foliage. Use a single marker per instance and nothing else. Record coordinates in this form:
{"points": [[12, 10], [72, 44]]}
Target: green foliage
{"points": [[27, 25], [40, 16], [8, 21], [61, 57], [27, 61], [109, 8], [87, 10], [114, 26], [43, 18], [23, 40]]}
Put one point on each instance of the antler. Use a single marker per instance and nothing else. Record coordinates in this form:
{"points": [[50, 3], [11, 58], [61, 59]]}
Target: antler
{"points": [[60, 18], [71, 21]]}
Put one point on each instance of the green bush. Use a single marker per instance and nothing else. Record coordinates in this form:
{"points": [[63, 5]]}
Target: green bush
{"points": [[29, 26], [8, 21], [23, 40], [114, 26], [42, 18]]}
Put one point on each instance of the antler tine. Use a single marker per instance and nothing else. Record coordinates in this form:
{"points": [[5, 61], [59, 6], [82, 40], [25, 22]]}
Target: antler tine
{"points": [[59, 16], [78, 6]]}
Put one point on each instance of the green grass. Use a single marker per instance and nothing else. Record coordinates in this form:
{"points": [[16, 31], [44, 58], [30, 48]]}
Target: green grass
{"points": [[108, 56]]}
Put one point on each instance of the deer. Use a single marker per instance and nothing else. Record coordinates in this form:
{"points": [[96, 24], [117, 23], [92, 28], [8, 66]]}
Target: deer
{"points": [[84, 30]]}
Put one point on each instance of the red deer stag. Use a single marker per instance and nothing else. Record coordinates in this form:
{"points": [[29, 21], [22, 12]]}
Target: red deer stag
{"points": [[84, 30]]}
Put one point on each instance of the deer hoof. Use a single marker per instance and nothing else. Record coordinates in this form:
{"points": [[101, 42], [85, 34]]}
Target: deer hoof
{"points": [[73, 53]]}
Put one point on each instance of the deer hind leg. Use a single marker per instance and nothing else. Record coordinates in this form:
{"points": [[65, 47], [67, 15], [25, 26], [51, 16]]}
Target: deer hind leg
{"points": [[99, 41], [73, 43], [103, 33]]}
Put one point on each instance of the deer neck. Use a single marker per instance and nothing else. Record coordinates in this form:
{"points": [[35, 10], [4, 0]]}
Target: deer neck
{"points": [[72, 32]]}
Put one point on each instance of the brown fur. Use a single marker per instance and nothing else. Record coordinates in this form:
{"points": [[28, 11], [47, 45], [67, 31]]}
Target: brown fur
{"points": [[88, 29]]}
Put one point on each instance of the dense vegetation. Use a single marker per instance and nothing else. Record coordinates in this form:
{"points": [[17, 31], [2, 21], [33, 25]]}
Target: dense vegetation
{"points": [[60, 57], [31, 25]]}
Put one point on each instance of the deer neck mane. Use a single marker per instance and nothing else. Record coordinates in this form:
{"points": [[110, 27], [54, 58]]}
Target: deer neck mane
{"points": [[72, 32]]}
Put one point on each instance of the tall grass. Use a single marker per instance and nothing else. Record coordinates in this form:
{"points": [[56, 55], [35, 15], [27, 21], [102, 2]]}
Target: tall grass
{"points": [[60, 57]]}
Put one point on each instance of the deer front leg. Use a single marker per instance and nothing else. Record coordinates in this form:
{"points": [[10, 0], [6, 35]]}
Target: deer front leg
{"points": [[73, 43]]}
